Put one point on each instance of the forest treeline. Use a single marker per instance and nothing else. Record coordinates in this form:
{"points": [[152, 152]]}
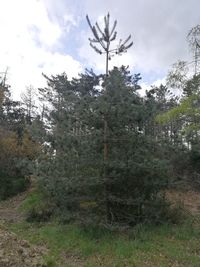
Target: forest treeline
{"points": [[152, 141]]}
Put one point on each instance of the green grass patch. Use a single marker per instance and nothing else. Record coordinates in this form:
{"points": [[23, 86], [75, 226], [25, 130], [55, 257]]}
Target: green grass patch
{"points": [[144, 245], [33, 200], [156, 246], [37, 208]]}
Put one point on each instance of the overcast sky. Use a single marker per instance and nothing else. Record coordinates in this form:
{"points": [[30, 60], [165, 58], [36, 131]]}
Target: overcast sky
{"points": [[51, 36]]}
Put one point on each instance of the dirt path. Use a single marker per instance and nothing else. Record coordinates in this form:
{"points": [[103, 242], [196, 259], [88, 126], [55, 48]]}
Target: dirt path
{"points": [[15, 252], [9, 209]]}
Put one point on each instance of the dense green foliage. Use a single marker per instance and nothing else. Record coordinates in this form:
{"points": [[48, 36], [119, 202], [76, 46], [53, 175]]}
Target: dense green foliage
{"points": [[72, 171], [99, 151], [148, 148], [188, 113]]}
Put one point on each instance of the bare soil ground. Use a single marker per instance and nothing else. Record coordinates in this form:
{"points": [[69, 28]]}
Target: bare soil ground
{"points": [[19, 253], [15, 252], [9, 209]]}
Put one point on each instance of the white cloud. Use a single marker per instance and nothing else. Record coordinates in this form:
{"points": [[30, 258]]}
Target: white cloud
{"points": [[146, 86], [159, 30], [34, 32], [28, 44]]}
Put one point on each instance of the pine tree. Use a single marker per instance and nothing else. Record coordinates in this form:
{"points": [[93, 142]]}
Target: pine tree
{"points": [[73, 176], [104, 39]]}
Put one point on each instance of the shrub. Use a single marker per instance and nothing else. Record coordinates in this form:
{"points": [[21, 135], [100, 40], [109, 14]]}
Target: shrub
{"points": [[11, 186]]}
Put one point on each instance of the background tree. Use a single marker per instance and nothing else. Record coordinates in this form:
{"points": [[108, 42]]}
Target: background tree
{"points": [[187, 109], [193, 38], [17, 148], [28, 99]]}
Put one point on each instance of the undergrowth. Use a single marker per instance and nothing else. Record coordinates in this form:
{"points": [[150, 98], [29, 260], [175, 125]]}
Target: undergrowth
{"points": [[89, 246]]}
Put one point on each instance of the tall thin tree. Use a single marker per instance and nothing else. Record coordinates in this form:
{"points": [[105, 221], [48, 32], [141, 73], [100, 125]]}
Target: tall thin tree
{"points": [[101, 43], [104, 37], [193, 38]]}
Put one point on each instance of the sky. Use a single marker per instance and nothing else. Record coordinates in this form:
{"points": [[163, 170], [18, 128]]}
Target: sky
{"points": [[51, 37]]}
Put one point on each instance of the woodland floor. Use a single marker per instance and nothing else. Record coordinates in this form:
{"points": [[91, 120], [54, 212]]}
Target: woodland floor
{"points": [[189, 199], [14, 251], [51, 245]]}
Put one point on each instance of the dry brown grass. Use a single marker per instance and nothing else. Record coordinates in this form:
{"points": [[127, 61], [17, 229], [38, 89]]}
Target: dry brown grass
{"points": [[190, 200]]}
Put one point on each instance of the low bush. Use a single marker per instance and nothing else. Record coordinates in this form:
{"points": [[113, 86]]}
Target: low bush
{"points": [[11, 186], [37, 208]]}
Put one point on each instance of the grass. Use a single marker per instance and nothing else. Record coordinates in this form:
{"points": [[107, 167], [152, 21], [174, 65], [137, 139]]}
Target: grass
{"points": [[71, 245], [142, 246], [33, 200]]}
